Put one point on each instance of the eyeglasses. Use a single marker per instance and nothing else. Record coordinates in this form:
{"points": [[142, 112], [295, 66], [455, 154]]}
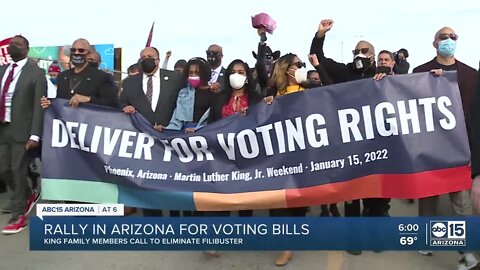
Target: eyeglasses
{"points": [[447, 36], [80, 50], [212, 53], [362, 50], [299, 64]]}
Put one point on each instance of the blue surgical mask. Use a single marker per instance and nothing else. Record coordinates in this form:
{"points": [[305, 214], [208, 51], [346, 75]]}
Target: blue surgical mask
{"points": [[54, 80], [447, 47]]}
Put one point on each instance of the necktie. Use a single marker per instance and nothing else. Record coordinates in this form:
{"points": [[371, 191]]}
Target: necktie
{"points": [[213, 76], [149, 89], [3, 104]]}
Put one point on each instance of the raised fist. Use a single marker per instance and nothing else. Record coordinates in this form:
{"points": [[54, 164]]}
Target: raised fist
{"points": [[262, 32], [313, 60], [324, 26]]}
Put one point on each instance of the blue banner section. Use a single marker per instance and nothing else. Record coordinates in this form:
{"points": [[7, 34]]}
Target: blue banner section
{"points": [[131, 233], [333, 134]]}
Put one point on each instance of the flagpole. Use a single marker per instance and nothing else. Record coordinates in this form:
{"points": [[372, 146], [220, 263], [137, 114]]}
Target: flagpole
{"points": [[150, 35]]}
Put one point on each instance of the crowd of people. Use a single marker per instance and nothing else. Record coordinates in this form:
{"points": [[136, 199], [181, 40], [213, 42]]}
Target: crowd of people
{"points": [[201, 91]]}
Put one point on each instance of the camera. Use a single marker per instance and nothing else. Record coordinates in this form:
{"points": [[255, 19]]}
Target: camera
{"points": [[401, 51]]}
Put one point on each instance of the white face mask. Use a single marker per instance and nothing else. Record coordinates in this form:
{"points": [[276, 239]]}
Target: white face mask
{"points": [[237, 81], [361, 61], [301, 75]]}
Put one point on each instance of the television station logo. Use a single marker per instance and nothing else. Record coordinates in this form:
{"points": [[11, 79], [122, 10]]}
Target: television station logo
{"points": [[448, 233]]}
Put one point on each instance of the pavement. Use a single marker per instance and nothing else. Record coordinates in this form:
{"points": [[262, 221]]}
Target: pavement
{"points": [[15, 255]]}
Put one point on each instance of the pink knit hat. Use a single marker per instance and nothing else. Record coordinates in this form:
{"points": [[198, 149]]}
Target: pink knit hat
{"points": [[54, 67], [263, 20]]}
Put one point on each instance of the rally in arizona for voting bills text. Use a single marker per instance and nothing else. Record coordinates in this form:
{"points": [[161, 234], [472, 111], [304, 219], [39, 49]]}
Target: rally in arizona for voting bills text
{"points": [[214, 156]]}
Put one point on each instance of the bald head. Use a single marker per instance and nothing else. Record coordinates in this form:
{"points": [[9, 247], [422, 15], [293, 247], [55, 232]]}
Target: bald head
{"points": [[362, 44], [149, 52], [150, 60], [214, 56], [445, 44], [215, 48], [78, 53], [81, 43], [443, 30]]}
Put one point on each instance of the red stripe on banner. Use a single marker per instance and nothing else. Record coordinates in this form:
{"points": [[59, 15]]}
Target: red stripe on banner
{"points": [[406, 186], [428, 183]]}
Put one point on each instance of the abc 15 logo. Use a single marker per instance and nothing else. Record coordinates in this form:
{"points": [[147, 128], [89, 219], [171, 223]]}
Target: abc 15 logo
{"points": [[448, 229]]}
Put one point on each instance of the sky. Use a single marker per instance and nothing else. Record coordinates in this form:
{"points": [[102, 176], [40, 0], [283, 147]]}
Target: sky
{"points": [[188, 27]]}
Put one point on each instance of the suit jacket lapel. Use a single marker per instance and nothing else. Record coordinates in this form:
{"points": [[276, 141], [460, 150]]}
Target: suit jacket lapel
{"points": [[2, 73], [221, 75], [165, 82], [26, 71], [141, 95]]}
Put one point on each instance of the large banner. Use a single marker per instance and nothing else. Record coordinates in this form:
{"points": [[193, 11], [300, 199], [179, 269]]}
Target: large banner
{"points": [[402, 137]]}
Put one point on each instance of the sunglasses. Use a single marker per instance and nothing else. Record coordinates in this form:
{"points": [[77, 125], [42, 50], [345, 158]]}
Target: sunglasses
{"points": [[212, 53], [80, 50], [362, 50], [447, 36], [299, 64]]}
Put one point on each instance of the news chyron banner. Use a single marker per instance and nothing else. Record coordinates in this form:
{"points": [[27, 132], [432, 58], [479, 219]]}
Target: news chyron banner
{"points": [[254, 233], [401, 137]]}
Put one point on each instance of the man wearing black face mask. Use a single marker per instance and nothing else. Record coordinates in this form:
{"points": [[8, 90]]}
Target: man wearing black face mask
{"points": [[214, 58], [385, 66], [84, 83], [21, 122], [153, 93], [363, 66], [375, 207], [94, 60]]}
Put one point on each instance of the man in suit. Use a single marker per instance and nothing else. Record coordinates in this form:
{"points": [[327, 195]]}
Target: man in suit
{"points": [[153, 93], [21, 122], [214, 58], [84, 83]]}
